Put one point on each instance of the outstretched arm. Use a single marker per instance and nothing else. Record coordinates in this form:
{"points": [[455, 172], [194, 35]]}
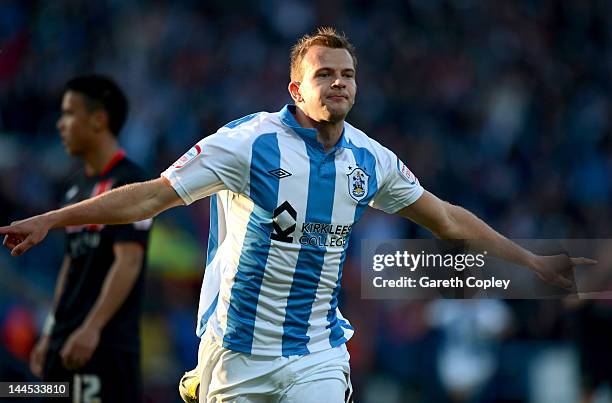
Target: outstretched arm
{"points": [[127, 204], [448, 221]]}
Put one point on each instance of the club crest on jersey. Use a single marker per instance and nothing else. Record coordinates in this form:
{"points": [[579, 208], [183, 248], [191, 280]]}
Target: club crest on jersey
{"points": [[405, 172], [188, 156], [358, 184]]}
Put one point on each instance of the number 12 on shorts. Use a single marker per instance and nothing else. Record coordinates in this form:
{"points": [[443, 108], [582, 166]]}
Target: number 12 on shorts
{"points": [[86, 389]]}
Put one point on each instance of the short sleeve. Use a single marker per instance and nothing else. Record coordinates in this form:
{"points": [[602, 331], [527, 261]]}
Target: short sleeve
{"points": [[137, 231], [217, 162], [400, 188], [134, 232]]}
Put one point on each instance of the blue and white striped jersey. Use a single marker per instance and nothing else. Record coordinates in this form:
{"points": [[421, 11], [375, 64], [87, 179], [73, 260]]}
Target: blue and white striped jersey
{"points": [[282, 211]]}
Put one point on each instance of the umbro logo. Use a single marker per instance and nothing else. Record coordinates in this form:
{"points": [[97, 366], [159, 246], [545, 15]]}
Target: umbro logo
{"points": [[280, 173]]}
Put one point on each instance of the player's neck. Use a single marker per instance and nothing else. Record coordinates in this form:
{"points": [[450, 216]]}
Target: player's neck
{"points": [[98, 157], [328, 133]]}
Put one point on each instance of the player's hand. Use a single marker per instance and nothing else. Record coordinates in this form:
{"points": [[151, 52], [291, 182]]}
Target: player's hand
{"points": [[79, 347], [559, 269], [22, 235], [38, 354]]}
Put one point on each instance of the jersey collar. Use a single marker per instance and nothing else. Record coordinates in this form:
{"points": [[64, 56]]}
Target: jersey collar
{"points": [[287, 117], [119, 155]]}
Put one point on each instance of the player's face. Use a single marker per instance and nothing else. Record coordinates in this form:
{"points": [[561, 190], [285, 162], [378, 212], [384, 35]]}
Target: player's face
{"points": [[328, 88], [76, 124]]}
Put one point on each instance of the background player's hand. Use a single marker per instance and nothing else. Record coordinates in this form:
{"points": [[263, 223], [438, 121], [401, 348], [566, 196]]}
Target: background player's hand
{"points": [[559, 269], [79, 347], [22, 235], [37, 357]]}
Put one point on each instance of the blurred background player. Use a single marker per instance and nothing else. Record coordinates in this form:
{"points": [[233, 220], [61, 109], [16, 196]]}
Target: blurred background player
{"points": [[91, 337]]}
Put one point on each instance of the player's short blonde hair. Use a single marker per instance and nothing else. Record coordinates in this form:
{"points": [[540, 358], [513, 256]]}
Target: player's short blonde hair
{"points": [[325, 36]]}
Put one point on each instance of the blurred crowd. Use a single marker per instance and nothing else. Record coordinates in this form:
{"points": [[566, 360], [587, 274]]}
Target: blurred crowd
{"points": [[502, 107]]}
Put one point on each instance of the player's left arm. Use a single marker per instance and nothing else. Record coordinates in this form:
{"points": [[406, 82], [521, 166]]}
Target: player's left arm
{"points": [[448, 221], [120, 280]]}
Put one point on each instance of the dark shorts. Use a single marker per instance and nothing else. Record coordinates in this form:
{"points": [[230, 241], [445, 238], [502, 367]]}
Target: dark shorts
{"points": [[110, 376]]}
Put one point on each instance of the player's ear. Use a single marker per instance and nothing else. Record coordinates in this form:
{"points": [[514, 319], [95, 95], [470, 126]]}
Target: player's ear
{"points": [[99, 119], [294, 91]]}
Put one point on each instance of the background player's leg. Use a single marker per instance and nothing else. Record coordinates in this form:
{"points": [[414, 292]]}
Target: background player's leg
{"points": [[54, 371], [111, 375]]}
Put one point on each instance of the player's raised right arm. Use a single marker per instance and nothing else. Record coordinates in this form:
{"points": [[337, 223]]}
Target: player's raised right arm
{"points": [[127, 204]]}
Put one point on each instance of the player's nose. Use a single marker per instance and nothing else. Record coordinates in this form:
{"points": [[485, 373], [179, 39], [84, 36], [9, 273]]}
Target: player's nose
{"points": [[338, 83]]}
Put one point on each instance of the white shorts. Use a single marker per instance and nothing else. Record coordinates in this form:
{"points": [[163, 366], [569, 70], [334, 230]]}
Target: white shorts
{"points": [[231, 376]]}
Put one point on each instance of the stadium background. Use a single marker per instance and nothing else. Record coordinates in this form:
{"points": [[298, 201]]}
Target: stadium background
{"points": [[502, 107]]}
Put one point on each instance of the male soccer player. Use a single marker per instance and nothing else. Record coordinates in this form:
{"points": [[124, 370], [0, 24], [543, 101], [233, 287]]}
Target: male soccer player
{"points": [[287, 188], [91, 338]]}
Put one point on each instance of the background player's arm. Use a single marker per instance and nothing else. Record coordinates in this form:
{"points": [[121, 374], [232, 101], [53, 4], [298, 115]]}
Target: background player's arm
{"points": [[448, 221], [126, 204], [37, 357], [61, 280], [119, 281]]}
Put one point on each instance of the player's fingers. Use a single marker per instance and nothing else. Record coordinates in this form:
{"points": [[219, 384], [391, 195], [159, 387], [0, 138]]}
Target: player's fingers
{"points": [[571, 285], [35, 366], [67, 360], [577, 261], [22, 247], [19, 250], [11, 230], [78, 358], [72, 358], [564, 282], [10, 241], [68, 364], [87, 355]]}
